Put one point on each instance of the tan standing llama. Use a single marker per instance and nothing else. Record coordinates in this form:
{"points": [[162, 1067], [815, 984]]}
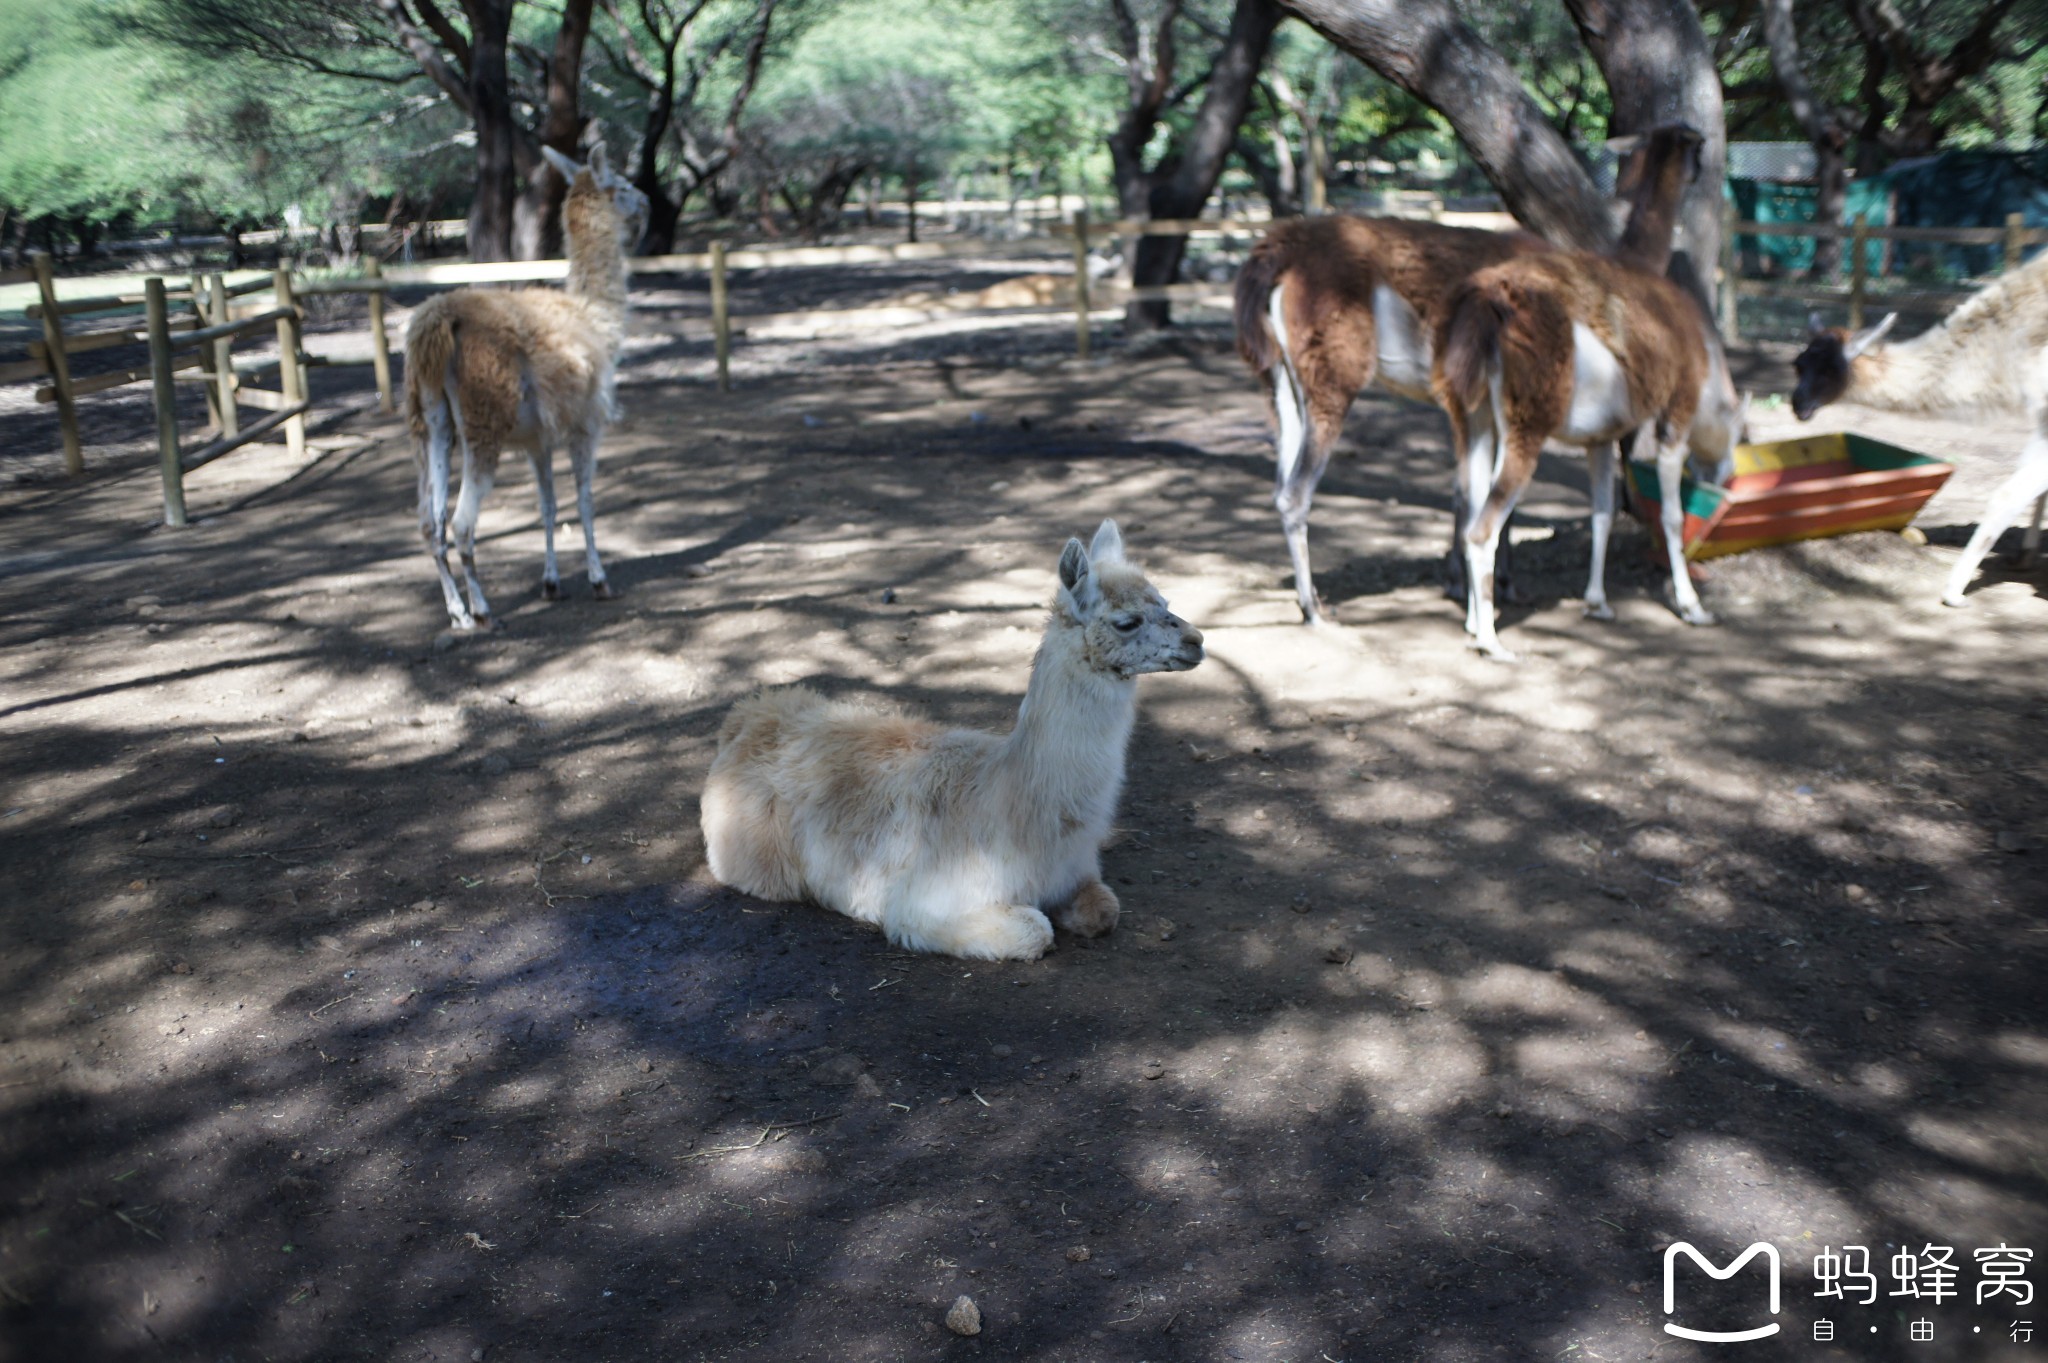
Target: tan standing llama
{"points": [[494, 369], [1990, 355], [954, 840]]}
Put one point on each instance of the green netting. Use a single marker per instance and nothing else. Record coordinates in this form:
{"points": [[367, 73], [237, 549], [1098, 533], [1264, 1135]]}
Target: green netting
{"points": [[1767, 201], [1954, 189]]}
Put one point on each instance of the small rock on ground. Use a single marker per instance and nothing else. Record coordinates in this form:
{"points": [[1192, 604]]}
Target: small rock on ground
{"points": [[964, 1318]]}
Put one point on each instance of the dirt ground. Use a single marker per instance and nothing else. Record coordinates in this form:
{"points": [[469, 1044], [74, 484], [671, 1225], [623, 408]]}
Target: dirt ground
{"points": [[366, 995]]}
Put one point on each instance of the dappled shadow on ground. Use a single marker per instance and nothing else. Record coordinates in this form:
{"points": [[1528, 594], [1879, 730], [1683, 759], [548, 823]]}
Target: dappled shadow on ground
{"points": [[367, 998]]}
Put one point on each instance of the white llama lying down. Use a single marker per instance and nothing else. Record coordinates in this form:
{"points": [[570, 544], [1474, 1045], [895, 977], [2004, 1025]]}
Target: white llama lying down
{"points": [[954, 840]]}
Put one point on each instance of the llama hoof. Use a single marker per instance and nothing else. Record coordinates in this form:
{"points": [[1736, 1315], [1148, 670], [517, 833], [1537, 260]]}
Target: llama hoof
{"points": [[1699, 615], [1599, 610], [1091, 913], [1956, 599], [1500, 653], [603, 590], [550, 589]]}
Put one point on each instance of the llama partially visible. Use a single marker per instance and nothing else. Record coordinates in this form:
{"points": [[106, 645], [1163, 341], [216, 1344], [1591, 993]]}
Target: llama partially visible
{"points": [[1990, 355], [954, 840], [493, 369]]}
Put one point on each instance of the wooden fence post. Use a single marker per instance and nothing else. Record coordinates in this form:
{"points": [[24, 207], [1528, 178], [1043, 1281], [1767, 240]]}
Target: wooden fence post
{"points": [[1728, 273], [208, 356], [2015, 225], [290, 373], [166, 399], [223, 354], [1858, 270], [1081, 281], [721, 324], [59, 363], [380, 344]]}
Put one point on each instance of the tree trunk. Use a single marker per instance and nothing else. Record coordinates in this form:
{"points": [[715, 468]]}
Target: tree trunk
{"points": [[497, 135], [1821, 126], [1660, 69], [1423, 47], [1198, 162], [537, 233]]}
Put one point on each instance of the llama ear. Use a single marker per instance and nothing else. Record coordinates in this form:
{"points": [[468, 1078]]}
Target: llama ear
{"points": [[1108, 545], [563, 165], [1864, 340], [599, 165], [1077, 581], [1814, 326]]}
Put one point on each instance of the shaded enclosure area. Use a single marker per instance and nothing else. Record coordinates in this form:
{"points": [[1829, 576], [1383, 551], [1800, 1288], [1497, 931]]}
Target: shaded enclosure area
{"points": [[366, 995]]}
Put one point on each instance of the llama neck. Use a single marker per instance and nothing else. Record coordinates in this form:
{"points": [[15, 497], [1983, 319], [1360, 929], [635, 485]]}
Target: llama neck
{"points": [[1647, 238], [1916, 376], [1067, 752], [597, 274]]}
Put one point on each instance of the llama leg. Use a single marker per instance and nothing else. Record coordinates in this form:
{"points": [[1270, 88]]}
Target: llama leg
{"points": [[434, 510], [986, 932], [1515, 465], [1091, 912], [1475, 478], [2030, 542], [2028, 483], [477, 476], [1301, 459], [1670, 469], [543, 461], [583, 459], [1600, 463]]}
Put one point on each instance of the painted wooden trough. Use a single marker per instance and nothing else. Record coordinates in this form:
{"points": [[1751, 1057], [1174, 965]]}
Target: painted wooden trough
{"points": [[1797, 489]]}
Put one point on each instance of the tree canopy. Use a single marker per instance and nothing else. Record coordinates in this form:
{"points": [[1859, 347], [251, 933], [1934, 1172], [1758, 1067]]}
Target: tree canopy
{"points": [[225, 113]]}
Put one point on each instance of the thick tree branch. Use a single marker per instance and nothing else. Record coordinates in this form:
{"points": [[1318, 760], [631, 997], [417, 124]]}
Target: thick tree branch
{"points": [[428, 56], [1426, 49], [450, 36]]}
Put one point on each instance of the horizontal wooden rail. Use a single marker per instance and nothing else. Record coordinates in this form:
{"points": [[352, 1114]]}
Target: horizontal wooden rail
{"points": [[234, 328], [1955, 236], [14, 371], [1169, 227], [206, 454], [23, 275], [111, 303], [99, 383], [85, 342]]}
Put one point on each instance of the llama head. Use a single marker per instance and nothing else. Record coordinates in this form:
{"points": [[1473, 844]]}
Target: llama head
{"points": [[1823, 367], [1125, 626], [1652, 158], [596, 187]]}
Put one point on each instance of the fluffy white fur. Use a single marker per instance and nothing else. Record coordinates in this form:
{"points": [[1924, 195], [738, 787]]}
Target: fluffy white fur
{"points": [[954, 840]]}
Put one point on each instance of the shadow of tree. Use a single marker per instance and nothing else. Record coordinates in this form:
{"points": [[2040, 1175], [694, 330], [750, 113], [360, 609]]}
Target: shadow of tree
{"points": [[369, 1000]]}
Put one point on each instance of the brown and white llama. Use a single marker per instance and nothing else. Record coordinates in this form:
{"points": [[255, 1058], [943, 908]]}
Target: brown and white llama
{"points": [[1990, 355], [492, 369], [1329, 306], [954, 840], [1583, 350]]}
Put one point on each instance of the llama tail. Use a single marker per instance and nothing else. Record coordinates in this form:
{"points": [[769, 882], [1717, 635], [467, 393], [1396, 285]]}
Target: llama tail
{"points": [[1255, 284], [429, 346], [1480, 315]]}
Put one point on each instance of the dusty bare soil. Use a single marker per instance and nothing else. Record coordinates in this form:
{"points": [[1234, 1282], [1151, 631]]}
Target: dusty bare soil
{"points": [[366, 996]]}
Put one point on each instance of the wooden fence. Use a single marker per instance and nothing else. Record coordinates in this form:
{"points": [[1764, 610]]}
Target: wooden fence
{"points": [[200, 333], [1856, 292]]}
